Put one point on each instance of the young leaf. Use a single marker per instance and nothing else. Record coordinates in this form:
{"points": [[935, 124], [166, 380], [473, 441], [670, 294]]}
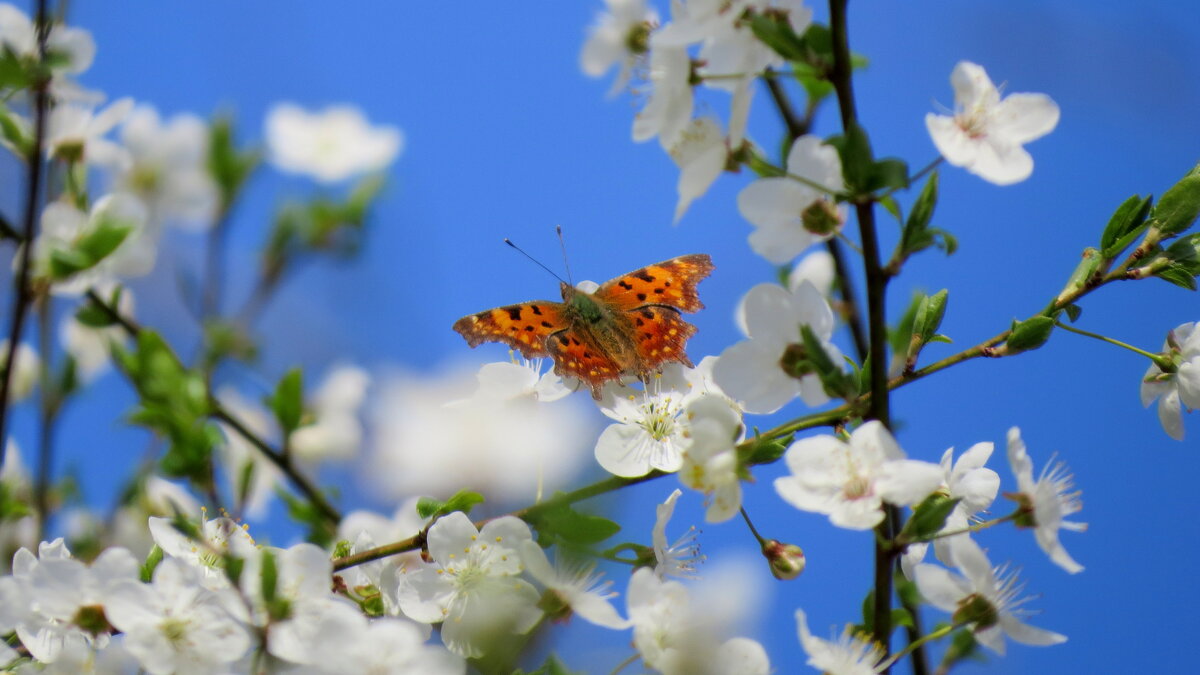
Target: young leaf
{"points": [[1128, 216], [1030, 334], [288, 400], [929, 315], [929, 517], [1179, 206]]}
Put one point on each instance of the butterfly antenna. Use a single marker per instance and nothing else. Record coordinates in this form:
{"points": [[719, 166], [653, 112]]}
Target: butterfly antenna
{"points": [[535, 260], [562, 244]]}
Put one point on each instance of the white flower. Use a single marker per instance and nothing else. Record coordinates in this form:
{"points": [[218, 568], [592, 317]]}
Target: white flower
{"points": [[676, 638], [986, 598], [710, 462], [168, 168], [680, 558], [1047, 502], [651, 427], [44, 634], [969, 481], [347, 643], [986, 133], [576, 584], [506, 380], [303, 574], [845, 655], [366, 530], [472, 585], [63, 225], [75, 45], [336, 434], [670, 106], [76, 132], [1181, 388], [850, 481], [25, 369], [702, 153], [330, 146], [816, 268], [751, 371], [176, 625], [781, 207], [91, 346], [155, 497], [434, 435], [618, 36], [218, 537]]}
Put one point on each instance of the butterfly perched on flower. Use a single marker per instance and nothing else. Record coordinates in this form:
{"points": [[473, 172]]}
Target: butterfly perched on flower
{"points": [[629, 325]]}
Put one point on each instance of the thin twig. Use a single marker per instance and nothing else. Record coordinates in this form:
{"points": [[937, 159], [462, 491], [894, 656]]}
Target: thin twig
{"points": [[21, 292]]}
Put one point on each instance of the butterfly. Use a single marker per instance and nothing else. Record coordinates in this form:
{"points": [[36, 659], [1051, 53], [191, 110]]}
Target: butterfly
{"points": [[629, 325]]}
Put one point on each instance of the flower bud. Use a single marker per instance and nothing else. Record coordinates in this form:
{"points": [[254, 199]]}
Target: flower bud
{"points": [[821, 217], [786, 560]]}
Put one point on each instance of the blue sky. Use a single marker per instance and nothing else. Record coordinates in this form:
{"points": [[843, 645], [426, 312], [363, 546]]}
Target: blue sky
{"points": [[507, 138]]}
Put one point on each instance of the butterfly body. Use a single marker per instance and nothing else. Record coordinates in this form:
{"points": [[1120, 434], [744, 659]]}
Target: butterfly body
{"points": [[629, 325]]}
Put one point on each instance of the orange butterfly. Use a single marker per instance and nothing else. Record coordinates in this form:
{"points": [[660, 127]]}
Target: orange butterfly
{"points": [[630, 324]]}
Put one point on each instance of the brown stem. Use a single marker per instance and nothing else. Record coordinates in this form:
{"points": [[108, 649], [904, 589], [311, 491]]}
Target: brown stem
{"points": [[21, 293]]}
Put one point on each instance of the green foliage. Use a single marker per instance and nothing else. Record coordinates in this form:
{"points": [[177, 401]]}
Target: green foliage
{"points": [[146, 572], [94, 316], [463, 500], [1030, 334], [1178, 207], [929, 517], [174, 403], [563, 525], [228, 165], [1127, 222], [14, 131], [836, 382], [917, 234], [288, 400], [90, 249], [765, 450], [928, 319], [320, 530]]}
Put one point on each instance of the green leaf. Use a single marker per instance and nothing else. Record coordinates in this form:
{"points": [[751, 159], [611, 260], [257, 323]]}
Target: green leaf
{"points": [[1073, 312], [93, 317], [764, 451], [890, 204], [834, 380], [921, 213], [1186, 252], [15, 133], [1128, 216], [65, 263], [929, 517], [1178, 275], [108, 234], [269, 575], [563, 524], [889, 173], [1179, 206], [775, 31], [901, 617], [146, 573], [857, 162], [1030, 334], [427, 507], [929, 316], [234, 566], [463, 500], [288, 400]]}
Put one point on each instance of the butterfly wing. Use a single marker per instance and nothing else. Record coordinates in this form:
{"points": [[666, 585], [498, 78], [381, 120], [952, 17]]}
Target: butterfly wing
{"points": [[661, 335], [524, 327], [671, 283], [575, 356]]}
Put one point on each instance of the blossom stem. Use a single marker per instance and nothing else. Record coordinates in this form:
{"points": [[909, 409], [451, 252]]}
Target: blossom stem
{"points": [[21, 292], [753, 530], [977, 527], [937, 634], [1156, 358], [217, 411]]}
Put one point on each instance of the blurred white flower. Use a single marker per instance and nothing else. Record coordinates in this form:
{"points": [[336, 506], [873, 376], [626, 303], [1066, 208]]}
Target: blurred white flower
{"points": [[472, 586], [217, 537], [675, 637], [985, 598], [336, 433], [752, 371], [576, 584], [619, 36], [845, 655], [346, 642], [850, 481], [330, 146], [680, 558], [75, 132], [702, 153], [70, 597], [651, 426], [788, 215], [669, 108], [74, 46], [26, 366], [816, 268], [1047, 502], [710, 462], [175, 624], [985, 134], [168, 168], [506, 380], [156, 496], [63, 225], [1181, 388], [433, 436]]}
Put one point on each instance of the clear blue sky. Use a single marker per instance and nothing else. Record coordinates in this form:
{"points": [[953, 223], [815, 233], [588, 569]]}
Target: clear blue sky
{"points": [[505, 137]]}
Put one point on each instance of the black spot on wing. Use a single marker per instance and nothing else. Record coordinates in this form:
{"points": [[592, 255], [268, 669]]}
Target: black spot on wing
{"points": [[644, 276], [514, 313]]}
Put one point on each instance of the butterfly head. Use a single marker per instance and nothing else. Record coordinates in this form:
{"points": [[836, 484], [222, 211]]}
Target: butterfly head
{"points": [[582, 304]]}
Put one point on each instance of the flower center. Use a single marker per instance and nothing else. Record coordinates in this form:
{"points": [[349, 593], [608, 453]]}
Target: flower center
{"points": [[174, 629], [658, 418]]}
